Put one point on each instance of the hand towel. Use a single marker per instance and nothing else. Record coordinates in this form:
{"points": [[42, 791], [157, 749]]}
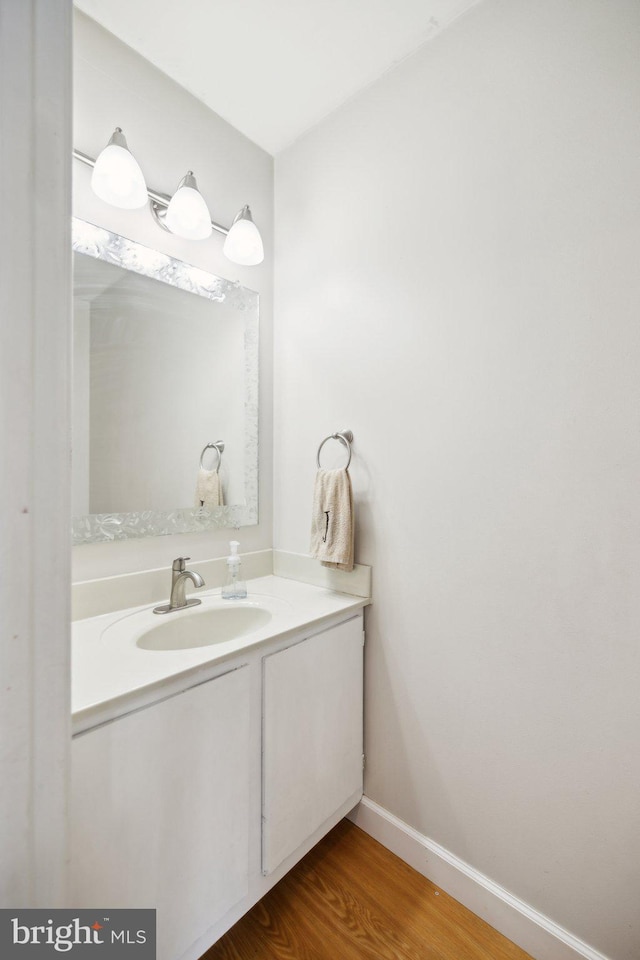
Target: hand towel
{"points": [[208, 489], [332, 519]]}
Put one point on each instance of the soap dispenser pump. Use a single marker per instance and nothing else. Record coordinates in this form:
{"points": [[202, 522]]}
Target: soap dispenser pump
{"points": [[234, 588]]}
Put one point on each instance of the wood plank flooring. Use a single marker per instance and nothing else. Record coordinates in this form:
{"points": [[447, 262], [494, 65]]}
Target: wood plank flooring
{"points": [[352, 899]]}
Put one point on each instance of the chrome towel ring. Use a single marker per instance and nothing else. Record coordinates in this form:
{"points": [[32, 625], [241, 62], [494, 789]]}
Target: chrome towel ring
{"points": [[345, 437], [218, 446]]}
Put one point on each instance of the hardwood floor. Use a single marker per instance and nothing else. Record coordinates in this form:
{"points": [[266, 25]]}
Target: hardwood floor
{"points": [[352, 899]]}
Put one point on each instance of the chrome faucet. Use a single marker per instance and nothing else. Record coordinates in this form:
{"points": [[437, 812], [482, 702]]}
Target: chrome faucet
{"points": [[179, 577]]}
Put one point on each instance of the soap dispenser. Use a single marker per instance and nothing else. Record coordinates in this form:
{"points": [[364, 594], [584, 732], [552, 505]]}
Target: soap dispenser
{"points": [[235, 588]]}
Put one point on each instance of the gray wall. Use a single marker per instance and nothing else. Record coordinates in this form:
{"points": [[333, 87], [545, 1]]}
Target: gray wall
{"points": [[169, 132], [457, 282]]}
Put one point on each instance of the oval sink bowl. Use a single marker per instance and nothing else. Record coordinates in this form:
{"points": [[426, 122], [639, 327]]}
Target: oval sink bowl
{"points": [[204, 627]]}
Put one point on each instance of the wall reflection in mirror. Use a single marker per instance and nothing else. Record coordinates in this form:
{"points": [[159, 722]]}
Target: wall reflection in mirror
{"points": [[165, 363]]}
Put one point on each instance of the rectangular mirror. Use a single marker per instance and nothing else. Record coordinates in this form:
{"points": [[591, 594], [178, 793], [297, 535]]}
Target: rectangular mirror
{"points": [[165, 365]]}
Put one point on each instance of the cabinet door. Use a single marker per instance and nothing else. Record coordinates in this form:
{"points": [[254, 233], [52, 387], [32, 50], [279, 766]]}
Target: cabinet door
{"points": [[160, 813], [312, 736]]}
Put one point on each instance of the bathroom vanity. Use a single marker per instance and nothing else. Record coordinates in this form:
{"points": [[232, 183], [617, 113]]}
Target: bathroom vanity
{"points": [[210, 754]]}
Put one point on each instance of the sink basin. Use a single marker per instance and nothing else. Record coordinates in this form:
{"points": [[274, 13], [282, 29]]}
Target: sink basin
{"points": [[203, 627]]}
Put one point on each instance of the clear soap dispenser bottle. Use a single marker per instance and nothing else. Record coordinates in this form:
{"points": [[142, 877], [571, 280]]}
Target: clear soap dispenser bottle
{"points": [[234, 588]]}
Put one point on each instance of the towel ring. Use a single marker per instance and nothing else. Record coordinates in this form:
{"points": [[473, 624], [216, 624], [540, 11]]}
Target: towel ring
{"points": [[345, 437], [218, 446]]}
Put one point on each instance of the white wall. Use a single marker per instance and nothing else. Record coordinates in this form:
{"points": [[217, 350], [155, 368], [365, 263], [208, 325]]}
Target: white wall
{"points": [[35, 427], [457, 282], [169, 132]]}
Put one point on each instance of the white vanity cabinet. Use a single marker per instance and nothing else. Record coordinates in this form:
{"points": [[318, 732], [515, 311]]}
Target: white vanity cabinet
{"points": [[312, 736], [160, 810], [196, 803]]}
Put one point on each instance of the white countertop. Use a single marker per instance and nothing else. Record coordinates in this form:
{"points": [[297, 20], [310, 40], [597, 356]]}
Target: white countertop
{"points": [[112, 675]]}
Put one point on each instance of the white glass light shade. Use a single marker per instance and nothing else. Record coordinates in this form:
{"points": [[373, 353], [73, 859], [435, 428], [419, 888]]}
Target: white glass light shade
{"points": [[243, 244], [117, 178], [187, 214]]}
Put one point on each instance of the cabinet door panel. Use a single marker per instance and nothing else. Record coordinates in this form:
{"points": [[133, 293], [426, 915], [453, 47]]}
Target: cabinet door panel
{"points": [[160, 811], [312, 736]]}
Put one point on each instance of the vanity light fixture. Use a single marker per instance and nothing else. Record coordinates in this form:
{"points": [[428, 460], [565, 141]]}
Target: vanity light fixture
{"points": [[117, 179], [244, 243], [187, 214]]}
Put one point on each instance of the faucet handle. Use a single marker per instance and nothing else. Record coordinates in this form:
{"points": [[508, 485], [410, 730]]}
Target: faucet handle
{"points": [[179, 564]]}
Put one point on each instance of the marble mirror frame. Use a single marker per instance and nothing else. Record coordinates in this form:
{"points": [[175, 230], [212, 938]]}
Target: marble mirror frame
{"points": [[97, 242]]}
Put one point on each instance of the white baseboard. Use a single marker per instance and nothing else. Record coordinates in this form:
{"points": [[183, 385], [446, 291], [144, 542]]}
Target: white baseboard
{"points": [[529, 929]]}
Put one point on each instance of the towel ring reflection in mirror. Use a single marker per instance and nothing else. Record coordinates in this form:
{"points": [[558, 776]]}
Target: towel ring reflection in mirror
{"points": [[345, 437], [218, 446]]}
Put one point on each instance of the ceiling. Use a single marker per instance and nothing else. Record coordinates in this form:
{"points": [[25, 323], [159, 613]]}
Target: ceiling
{"points": [[274, 68]]}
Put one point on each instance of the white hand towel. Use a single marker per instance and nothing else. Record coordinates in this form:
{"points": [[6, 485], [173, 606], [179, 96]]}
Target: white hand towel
{"points": [[332, 519], [208, 489]]}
